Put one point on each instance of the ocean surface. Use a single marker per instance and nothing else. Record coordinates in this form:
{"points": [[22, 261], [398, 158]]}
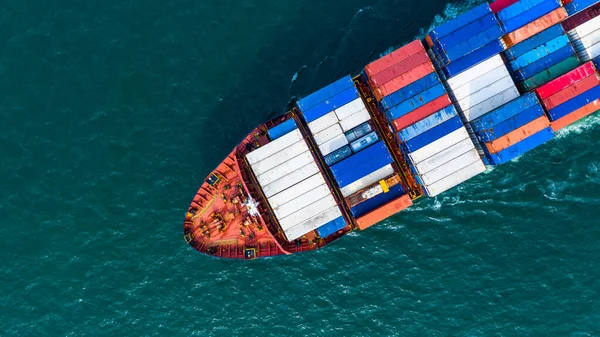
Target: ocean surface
{"points": [[113, 112]]}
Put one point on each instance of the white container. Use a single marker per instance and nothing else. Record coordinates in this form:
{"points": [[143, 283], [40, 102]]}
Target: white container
{"points": [[302, 201], [350, 108], [331, 132], [279, 158], [439, 145], [475, 71], [480, 82], [444, 156], [485, 93], [450, 167], [355, 120], [291, 180], [491, 103], [296, 190], [588, 27], [455, 179], [592, 52], [323, 122], [313, 223], [367, 180], [285, 168], [333, 144], [273, 147], [308, 212], [589, 40]]}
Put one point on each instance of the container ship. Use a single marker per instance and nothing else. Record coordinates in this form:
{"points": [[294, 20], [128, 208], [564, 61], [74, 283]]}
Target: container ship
{"points": [[477, 91]]}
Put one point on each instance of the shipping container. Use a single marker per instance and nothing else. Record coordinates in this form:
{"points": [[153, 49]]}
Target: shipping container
{"points": [[337, 155], [312, 223], [549, 74], [328, 134], [377, 201], [578, 5], [539, 52], [302, 187], [460, 21], [422, 112], [280, 157], [400, 68], [324, 94], [491, 103], [481, 94], [364, 142], [323, 123], [359, 131], [301, 201], [533, 42], [416, 102], [475, 72], [483, 81], [533, 13], [587, 27], [291, 180], [511, 124], [517, 135], [521, 147], [331, 104], [455, 179], [404, 80], [571, 91], [518, 8], [444, 156], [367, 180], [438, 146], [590, 53], [355, 120], [499, 5], [466, 47], [394, 57], [282, 129], [565, 80], [333, 144], [285, 168], [273, 147], [432, 135], [544, 63], [308, 212], [574, 103], [427, 123], [350, 109], [587, 41], [383, 212], [331, 227], [466, 32], [473, 58], [449, 168], [361, 164], [535, 27], [579, 18], [576, 115], [505, 112], [410, 90]]}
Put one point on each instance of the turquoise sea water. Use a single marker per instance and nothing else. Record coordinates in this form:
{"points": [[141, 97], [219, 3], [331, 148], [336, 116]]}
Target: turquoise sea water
{"points": [[112, 113]]}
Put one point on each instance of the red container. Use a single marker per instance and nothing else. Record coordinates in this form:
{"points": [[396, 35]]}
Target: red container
{"points": [[570, 92], [422, 112], [400, 68], [501, 4], [558, 84], [582, 17], [383, 212], [394, 57], [576, 115], [567, 2], [536, 26], [404, 80]]}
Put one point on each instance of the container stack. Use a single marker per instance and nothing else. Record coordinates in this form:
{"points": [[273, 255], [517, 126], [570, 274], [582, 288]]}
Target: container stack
{"points": [[359, 161], [293, 185], [572, 96], [513, 129], [584, 32]]}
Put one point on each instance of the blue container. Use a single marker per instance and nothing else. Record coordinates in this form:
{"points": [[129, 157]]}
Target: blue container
{"points": [[539, 52], [416, 101], [466, 32], [410, 90], [510, 125], [364, 142], [544, 63], [521, 147], [597, 62], [338, 155], [325, 93], [517, 8], [361, 164], [577, 5], [432, 135], [428, 123], [331, 104], [466, 47], [472, 59], [460, 21], [331, 227], [505, 112], [574, 103], [530, 15], [282, 129], [358, 132], [377, 201], [533, 42]]}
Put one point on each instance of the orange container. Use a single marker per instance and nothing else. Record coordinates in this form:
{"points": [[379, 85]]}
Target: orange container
{"points": [[400, 68], [570, 92], [384, 212], [394, 57], [535, 27], [429, 41], [405, 79], [422, 112], [518, 135], [576, 115]]}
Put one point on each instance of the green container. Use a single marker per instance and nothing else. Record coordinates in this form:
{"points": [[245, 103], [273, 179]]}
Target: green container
{"points": [[549, 74]]}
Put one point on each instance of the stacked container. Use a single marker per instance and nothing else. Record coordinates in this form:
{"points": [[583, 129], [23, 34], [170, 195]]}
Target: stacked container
{"points": [[584, 31], [571, 96], [360, 162], [293, 184], [575, 6], [513, 129]]}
